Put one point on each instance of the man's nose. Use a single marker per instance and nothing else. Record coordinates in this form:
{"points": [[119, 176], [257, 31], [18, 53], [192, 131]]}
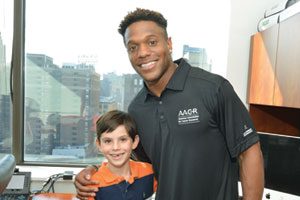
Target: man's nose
{"points": [[143, 51]]}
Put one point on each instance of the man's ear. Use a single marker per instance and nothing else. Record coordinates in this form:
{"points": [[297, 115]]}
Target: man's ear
{"points": [[135, 142], [170, 45]]}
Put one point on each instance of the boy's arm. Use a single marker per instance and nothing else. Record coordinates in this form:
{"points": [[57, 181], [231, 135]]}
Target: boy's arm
{"points": [[252, 173], [83, 183]]}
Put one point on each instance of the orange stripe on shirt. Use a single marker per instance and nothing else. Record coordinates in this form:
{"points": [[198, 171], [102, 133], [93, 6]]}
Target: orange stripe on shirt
{"points": [[107, 178]]}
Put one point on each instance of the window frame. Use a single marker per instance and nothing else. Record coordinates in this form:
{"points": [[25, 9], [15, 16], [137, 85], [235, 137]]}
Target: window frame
{"points": [[17, 66], [18, 87]]}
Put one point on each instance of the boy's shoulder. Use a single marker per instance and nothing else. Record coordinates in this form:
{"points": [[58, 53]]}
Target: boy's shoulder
{"points": [[140, 168], [103, 175]]}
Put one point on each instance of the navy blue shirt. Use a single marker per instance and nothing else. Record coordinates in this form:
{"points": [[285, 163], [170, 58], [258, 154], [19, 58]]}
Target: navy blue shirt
{"points": [[139, 186], [193, 134]]}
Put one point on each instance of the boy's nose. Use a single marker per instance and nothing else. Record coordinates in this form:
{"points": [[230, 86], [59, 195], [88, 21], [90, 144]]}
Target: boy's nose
{"points": [[116, 145]]}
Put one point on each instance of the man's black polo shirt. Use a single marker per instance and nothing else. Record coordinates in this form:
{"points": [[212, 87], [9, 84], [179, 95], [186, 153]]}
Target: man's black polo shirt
{"points": [[193, 135]]}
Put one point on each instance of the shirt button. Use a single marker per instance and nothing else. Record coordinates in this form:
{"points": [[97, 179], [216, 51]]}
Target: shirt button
{"points": [[161, 117], [160, 102]]}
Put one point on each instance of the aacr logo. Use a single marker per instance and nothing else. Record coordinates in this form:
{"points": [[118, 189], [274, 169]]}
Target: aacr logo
{"points": [[188, 116], [191, 111]]}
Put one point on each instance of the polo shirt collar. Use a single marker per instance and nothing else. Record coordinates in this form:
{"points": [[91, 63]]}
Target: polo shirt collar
{"points": [[113, 178], [178, 79]]}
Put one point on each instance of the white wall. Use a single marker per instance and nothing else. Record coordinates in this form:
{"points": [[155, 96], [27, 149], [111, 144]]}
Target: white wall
{"points": [[245, 15]]}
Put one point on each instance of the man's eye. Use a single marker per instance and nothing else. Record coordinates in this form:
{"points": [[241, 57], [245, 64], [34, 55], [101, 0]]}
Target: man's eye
{"points": [[152, 42], [132, 48]]}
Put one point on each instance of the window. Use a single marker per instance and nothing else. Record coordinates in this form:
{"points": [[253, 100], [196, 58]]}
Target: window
{"points": [[76, 59], [6, 35]]}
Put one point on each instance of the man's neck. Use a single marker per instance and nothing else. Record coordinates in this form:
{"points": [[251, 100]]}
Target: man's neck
{"points": [[158, 87]]}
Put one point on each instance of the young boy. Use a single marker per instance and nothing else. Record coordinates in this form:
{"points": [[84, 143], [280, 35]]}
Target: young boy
{"points": [[120, 177]]}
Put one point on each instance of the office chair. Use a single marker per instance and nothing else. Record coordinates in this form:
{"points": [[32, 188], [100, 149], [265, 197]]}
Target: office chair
{"points": [[7, 167]]}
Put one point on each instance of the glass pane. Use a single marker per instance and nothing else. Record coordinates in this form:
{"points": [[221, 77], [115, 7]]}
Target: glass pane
{"points": [[6, 34], [77, 67]]}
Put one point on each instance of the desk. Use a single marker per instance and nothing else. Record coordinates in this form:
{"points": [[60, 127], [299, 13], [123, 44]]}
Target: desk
{"points": [[54, 196]]}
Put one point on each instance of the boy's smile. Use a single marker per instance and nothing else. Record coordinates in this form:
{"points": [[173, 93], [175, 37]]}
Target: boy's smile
{"points": [[117, 146]]}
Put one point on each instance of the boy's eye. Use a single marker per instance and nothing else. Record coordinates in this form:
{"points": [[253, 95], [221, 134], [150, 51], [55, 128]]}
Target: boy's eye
{"points": [[124, 139], [106, 141]]}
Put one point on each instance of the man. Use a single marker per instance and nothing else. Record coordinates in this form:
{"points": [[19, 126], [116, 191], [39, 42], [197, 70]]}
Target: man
{"points": [[193, 127]]}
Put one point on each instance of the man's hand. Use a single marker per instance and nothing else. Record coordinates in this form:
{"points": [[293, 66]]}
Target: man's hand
{"points": [[83, 183]]}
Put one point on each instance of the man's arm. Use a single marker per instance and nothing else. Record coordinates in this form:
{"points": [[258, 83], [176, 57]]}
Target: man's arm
{"points": [[252, 173], [83, 183]]}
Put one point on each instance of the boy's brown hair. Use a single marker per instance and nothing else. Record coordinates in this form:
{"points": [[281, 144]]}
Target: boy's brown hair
{"points": [[109, 121]]}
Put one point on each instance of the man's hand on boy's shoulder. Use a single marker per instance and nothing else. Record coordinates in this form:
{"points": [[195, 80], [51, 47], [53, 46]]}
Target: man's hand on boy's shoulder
{"points": [[84, 184]]}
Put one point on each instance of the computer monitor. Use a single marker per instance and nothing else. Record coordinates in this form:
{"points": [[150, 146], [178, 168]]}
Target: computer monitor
{"points": [[282, 162], [7, 167]]}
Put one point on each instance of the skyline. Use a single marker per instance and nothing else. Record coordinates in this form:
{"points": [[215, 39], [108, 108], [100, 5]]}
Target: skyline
{"points": [[84, 33]]}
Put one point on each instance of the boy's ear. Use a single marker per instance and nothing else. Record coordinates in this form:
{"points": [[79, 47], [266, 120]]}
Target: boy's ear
{"points": [[135, 142], [98, 144]]}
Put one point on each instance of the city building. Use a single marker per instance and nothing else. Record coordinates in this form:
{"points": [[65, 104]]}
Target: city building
{"points": [[5, 102], [62, 92], [197, 57], [132, 85], [112, 87]]}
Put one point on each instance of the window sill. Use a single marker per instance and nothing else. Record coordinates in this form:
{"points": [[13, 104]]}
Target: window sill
{"points": [[41, 173]]}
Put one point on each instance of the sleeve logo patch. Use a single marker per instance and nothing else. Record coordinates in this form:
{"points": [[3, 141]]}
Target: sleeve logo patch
{"points": [[247, 132], [188, 116]]}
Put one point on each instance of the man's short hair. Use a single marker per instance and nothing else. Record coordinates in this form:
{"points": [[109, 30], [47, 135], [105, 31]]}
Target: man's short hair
{"points": [[141, 14]]}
